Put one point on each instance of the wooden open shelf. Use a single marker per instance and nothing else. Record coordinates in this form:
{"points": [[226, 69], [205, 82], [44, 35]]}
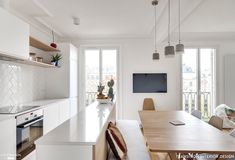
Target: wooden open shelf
{"points": [[40, 45], [34, 63], [6, 57]]}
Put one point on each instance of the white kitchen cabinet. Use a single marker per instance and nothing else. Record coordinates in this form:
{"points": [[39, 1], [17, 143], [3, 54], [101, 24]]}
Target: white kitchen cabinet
{"points": [[64, 107], [73, 106], [51, 117], [63, 81], [55, 114], [8, 138], [14, 35], [73, 72]]}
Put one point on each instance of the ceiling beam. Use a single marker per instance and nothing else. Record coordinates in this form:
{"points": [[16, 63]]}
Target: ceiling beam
{"points": [[187, 8], [43, 8]]}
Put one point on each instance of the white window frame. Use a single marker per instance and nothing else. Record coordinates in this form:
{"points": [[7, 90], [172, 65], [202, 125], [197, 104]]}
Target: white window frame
{"points": [[215, 95], [82, 89]]}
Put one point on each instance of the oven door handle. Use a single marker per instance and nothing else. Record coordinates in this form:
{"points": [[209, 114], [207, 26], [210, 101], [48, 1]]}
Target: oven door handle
{"points": [[29, 124]]}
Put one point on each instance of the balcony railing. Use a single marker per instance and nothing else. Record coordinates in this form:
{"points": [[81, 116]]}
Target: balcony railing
{"points": [[90, 97], [191, 102]]}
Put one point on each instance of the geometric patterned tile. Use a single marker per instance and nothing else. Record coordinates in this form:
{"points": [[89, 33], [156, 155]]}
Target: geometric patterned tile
{"points": [[20, 83]]}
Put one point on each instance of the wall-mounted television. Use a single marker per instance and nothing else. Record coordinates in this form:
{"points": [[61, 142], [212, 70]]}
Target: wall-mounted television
{"points": [[149, 83]]}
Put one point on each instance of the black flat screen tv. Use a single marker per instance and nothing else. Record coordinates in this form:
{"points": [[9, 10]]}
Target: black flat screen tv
{"points": [[149, 83]]}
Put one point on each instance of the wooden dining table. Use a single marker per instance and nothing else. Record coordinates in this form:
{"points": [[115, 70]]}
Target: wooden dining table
{"points": [[196, 136]]}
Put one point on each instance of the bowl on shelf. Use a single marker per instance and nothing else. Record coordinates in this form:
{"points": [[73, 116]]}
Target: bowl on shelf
{"points": [[104, 101]]}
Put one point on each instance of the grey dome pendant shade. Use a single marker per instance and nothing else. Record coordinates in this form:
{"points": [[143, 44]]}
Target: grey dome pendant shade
{"points": [[179, 48], [156, 55], [169, 50]]}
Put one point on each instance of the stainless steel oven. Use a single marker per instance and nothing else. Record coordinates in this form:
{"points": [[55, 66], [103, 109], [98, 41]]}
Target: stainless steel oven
{"points": [[29, 129]]}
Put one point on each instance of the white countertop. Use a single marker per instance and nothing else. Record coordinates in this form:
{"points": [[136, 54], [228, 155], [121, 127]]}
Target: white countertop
{"points": [[41, 103], [82, 129]]}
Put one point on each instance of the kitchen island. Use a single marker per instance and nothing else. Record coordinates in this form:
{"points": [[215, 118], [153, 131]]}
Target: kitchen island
{"points": [[80, 138]]}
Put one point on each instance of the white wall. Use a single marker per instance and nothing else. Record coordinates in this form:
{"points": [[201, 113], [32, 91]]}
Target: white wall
{"points": [[136, 56], [224, 49]]}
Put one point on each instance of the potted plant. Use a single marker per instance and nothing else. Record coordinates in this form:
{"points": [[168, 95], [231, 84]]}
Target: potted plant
{"points": [[100, 89], [55, 59], [110, 92]]}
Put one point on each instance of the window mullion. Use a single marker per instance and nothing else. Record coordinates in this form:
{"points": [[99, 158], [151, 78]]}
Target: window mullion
{"points": [[199, 78]]}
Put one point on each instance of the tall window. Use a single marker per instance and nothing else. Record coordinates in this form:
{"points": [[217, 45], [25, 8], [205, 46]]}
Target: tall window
{"points": [[100, 67], [198, 80]]}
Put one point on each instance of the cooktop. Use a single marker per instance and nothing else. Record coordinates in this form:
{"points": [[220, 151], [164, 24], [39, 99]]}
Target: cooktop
{"points": [[16, 109]]}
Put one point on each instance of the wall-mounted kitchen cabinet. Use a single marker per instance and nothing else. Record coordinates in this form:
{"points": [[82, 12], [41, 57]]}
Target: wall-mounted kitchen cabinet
{"points": [[14, 35]]}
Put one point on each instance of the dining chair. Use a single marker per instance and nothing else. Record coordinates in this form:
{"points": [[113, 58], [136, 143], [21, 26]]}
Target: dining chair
{"points": [[197, 113], [232, 133], [217, 122], [148, 104]]}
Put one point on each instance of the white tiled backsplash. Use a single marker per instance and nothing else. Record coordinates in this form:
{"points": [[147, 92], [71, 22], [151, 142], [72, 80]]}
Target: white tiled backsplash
{"points": [[20, 83]]}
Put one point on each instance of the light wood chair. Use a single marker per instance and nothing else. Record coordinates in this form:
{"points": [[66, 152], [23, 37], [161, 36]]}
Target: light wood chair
{"points": [[148, 104], [160, 156], [197, 113], [217, 122]]}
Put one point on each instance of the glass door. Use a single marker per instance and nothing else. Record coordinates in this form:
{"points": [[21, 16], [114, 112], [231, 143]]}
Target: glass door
{"points": [[198, 80], [100, 67], [190, 83], [92, 74], [207, 81]]}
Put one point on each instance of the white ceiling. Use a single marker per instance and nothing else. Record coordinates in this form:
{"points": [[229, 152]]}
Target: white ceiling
{"points": [[98, 17], [127, 18], [212, 16]]}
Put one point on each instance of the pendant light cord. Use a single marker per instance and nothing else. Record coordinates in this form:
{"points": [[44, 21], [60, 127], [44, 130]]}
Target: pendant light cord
{"points": [[169, 20], [155, 25], [179, 24], [53, 36]]}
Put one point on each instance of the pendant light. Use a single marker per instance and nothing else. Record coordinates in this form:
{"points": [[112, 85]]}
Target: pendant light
{"points": [[156, 55], [53, 44], [169, 50], [179, 48]]}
